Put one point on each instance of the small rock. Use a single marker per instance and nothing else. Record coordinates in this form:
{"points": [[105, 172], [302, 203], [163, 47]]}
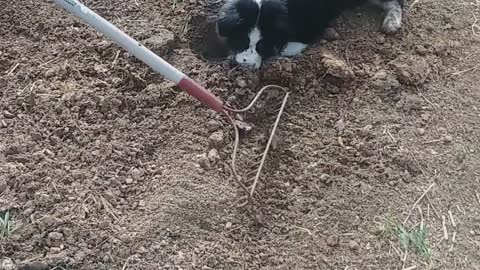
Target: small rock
{"points": [[128, 180], [332, 240], [448, 139], [340, 125], [55, 236], [49, 73], [7, 264], [36, 136], [325, 178], [203, 161], [421, 50], [3, 124], [412, 71], [433, 152], [421, 131], [213, 125], [213, 156], [353, 245], [228, 225], [337, 67], [116, 82], [136, 174], [330, 34], [241, 83], [380, 40], [12, 150], [8, 114], [216, 139]]}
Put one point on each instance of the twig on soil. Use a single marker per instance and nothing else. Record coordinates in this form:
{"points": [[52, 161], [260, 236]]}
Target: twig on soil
{"points": [[445, 231], [48, 62], [451, 218], [474, 68], [453, 242], [433, 207], [13, 69], [413, 4], [303, 229], [404, 259], [410, 268], [429, 102], [475, 25], [126, 263], [116, 58], [432, 141], [478, 197], [419, 199]]}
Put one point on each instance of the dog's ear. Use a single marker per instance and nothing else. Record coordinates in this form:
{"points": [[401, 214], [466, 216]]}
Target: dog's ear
{"points": [[229, 18], [227, 23]]}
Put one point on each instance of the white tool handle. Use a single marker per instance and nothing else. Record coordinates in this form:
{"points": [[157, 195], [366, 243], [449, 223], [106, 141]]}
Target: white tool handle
{"points": [[122, 39]]}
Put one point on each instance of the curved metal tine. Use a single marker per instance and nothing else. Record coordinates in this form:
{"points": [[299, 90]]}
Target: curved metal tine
{"points": [[257, 96], [262, 162]]}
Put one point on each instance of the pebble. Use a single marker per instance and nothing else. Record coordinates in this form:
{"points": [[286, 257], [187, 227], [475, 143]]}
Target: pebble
{"points": [[35, 266], [136, 174], [325, 178], [353, 245], [129, 180], [116, 82], [228, 225], [49, 73], [213, 155], [448, 138], [55, 236], [420, 50], [381, 40], [203, 161], [332, 240], [421, 131], [3, 124], [7, 264], [330, 34], [216, 139], [8, 114]]}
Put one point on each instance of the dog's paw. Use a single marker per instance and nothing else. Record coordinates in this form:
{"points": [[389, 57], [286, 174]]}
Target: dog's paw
{"points": [[392, 22], [293, 48]]}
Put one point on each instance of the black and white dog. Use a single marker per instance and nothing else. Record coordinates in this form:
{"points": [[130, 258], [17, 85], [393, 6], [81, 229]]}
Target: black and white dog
{"points": [[255, 30]]}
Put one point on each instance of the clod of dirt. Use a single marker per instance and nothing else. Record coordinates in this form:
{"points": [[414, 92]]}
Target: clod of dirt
{"points": [[337, 67], [136, 174], [8, 115], [411, 70], [353, 245], [12, 149], [34, 266], [213, 125], [448, 138], [161, 43], [332, 240], [421, 131], [280, 71], [331, 34], [203, 161], [54, 239], [213, 156], [410, 102], [216, 139], [384, 81]]}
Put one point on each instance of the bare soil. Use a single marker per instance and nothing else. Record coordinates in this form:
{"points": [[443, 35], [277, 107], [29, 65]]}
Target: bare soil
{"points": [[105, 165]]}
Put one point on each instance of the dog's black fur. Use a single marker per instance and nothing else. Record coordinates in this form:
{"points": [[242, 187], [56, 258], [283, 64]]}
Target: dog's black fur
{"points": [[258, 29]]}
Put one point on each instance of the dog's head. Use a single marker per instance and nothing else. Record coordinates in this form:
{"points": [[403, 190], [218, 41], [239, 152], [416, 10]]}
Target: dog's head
{"points": [[254, 30]]}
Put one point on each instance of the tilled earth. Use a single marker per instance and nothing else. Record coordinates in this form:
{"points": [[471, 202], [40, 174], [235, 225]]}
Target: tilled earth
{"points": [[105, 165]]}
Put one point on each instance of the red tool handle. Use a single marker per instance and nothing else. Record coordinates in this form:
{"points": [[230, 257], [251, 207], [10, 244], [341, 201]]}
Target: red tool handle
{"points": [[200, 93]]}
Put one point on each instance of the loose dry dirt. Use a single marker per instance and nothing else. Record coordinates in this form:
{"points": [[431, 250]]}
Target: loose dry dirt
{"points": [[105, 165]]}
